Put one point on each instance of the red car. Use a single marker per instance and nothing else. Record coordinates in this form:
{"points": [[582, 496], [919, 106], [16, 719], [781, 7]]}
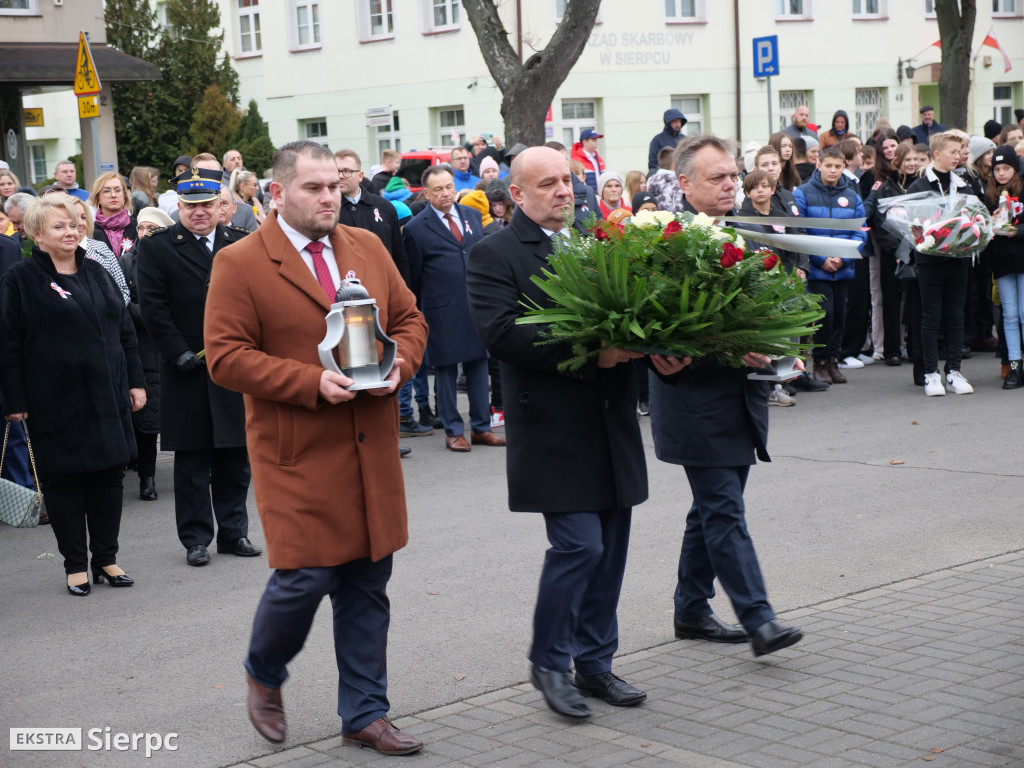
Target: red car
{"points": [[416, 161]]}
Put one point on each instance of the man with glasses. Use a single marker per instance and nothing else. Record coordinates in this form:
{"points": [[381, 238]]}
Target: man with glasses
{"points": [[201, 422]]}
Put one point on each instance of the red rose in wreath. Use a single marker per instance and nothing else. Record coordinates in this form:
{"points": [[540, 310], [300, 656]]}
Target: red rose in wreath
{"points": [[769, 261], [672, 227], [731, 255]]}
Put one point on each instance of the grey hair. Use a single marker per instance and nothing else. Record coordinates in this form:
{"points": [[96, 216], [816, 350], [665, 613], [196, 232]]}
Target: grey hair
{"points": [[690, 146], [19, 201]]}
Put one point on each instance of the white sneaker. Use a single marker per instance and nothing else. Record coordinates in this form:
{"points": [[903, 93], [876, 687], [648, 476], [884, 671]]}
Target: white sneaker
{"points": [[779, 396], [850, 362], [957, 384], [866, 359], [933, 385]]}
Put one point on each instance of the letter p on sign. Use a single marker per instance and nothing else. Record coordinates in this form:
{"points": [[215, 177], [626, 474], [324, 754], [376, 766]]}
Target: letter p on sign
{"points": [[766, 56]]}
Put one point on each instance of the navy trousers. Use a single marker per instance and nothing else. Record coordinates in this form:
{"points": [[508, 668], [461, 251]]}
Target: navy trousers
{"points": [[208, 484], [716, 543], [362, 615], [476, 389], [575, 619]]}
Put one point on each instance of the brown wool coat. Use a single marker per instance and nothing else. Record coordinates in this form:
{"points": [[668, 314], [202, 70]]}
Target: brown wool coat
{"points": [[327, 478]]}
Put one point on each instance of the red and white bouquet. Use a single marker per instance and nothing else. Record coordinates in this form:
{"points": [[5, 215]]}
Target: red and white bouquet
{"points": [[955, 225]]}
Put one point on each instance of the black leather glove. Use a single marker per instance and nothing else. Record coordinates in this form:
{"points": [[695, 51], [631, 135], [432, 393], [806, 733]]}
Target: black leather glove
{"points": [[188, 362]]}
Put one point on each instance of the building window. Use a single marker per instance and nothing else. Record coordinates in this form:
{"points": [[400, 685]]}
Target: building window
{"points": [[792, 10], [18, 8], [1006, 8], [929, 9], [693, 108], [684, 11], [37, 154], [868, 103], [375, 20], [305, 20], [577, 114], [451, 126], [441, 15], [869, 9], [788, 102], [1002, 103], [249, 42], [560, 6], [315, 129], [164, 21], [387, 135]]}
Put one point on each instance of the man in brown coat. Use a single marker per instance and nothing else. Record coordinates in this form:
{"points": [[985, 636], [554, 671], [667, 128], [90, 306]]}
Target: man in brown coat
{"points": [[325, 461]]}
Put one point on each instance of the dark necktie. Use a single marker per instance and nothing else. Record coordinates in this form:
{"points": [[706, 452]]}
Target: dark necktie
{"points": [[206, 244], [453, 227], [323, 274]]}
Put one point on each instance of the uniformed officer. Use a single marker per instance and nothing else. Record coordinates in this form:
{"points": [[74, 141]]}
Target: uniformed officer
{"points": [[202, 423]]}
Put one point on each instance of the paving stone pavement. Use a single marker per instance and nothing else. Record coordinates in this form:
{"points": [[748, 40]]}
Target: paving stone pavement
{"points": [[926, 671]]}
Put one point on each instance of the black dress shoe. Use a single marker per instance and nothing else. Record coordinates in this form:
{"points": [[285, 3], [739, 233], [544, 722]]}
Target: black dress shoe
{"points": [[121, 580], [80, 590], [609, 688], [561, 695], [809, 384], [243, 548], [147, 489], [710, 628], [403, 451], [772, 636], [197, 555]]}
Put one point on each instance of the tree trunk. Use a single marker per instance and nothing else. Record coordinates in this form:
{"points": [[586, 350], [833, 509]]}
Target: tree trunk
{"points": [[528, 87], [956, 31]]}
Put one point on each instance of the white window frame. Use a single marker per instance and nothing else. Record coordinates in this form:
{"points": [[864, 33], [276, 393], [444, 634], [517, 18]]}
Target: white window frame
{"points": [[364, 20], [788, 102], [388, 136], [1002, 109], [316, 135], [453, 9], [444, 132], [695, 119], [929, 9], [859, 10], [786, 12], [314, 24], [255, 33], [573, 126], [33, 159], [31, 9], [1015, 11], [675, 15], [560, 11], [866, 115]]}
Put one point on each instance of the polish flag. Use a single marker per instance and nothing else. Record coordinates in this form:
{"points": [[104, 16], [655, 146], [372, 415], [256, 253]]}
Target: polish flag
{"points": [[991, 42], [937, 44]]}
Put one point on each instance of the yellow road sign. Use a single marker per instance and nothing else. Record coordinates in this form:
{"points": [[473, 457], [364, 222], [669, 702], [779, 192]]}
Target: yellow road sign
{"points": [[88, 106], [87, 82], [33, 117]]}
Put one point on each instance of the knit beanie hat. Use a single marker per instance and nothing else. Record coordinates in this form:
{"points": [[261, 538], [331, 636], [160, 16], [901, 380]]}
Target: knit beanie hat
{"points": [[810, 141], [497, 190], [1006, 156], [403, 211], [478, 200], [978, 146], [992, 129], [607, 176], [394, 183], [154, 216], [487, 162], [904, 132], [642, 197]]}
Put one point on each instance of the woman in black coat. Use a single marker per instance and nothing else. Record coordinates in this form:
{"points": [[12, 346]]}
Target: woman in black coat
{"points": [[68, 357]]}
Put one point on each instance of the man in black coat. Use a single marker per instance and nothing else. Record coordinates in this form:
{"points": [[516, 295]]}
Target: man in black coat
{"points": [[574, 447], [713, 420], [202, 423]]}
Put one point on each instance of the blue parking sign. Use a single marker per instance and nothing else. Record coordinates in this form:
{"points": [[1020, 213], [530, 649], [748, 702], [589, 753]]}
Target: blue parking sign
{"points": [[766, 56]]}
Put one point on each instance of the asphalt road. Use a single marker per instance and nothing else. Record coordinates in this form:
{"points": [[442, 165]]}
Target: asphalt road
{"points": [[830, 515]]}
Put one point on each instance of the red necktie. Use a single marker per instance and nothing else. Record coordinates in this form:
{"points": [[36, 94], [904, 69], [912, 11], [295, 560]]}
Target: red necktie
{"points": [[323, 274], [454, 227]]}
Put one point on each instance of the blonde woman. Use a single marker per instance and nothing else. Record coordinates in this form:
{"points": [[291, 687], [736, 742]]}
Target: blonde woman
{"points": [[115, 225], [245, 188]]}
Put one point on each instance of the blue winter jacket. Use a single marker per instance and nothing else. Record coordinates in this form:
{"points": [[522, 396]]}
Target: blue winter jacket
{"points": [[816, 200]]}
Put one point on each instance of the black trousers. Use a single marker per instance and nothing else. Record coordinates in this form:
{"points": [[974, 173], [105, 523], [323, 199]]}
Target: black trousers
{"points": [[87, 502], [362, 615], [891, 298], [858, 308], [209, 484], [146, 463], [830, 333], [943, 288]]}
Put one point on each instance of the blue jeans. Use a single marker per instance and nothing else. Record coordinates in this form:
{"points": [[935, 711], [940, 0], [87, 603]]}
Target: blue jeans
{"points": [[405, 394], [1011, 294]]}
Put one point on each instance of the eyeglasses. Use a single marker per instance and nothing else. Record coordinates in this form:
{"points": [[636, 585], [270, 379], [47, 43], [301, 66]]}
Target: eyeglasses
{"points": [[347, 172], [110, 191]]}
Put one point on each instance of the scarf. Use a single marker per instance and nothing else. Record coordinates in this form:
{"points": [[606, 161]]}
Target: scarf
{"points": [[114, 226]]}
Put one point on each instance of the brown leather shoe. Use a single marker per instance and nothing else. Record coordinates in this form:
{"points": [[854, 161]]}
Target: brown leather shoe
{"points": [[383, 736], [266, 711], [821, 371], [457, 443], [487, 438], [838, 377]]}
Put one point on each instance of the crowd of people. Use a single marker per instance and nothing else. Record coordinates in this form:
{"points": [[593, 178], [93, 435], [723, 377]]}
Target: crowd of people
{"points": [[196, 314]]}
